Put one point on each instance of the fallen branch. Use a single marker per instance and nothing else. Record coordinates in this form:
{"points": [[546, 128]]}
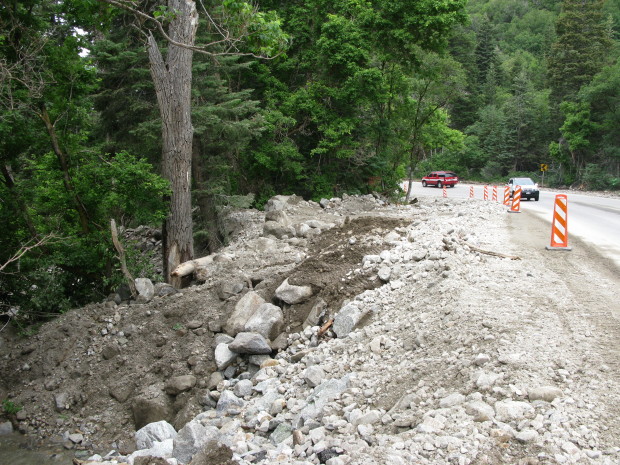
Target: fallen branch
{"points": [[488, 252], [325, 327], [121, 256]]}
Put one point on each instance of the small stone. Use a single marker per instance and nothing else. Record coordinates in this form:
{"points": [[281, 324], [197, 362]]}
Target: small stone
{"points": [[243, 388], [527, 436], [249, 343], [546, 393], [179, 384], [313, 376]]}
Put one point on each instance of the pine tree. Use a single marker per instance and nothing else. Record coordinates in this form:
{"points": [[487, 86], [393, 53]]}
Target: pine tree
{"points": [[582, 45]]}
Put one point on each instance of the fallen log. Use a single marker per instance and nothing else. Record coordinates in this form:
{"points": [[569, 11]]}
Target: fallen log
{"points": [[325, 327], [190, 266]]}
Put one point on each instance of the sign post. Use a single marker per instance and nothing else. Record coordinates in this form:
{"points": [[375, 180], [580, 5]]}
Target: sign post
{"points": [[543, 167]]}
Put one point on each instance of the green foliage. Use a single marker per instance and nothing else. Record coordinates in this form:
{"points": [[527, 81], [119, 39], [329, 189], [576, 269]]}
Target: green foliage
{"points": [[10, 408]]}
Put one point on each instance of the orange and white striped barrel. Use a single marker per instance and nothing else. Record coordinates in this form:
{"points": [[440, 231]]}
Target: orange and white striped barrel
{"points": [[486, 192], [559, 225], [445, 191], [506, 195], [516, 201], [471, 192], [494, 193]]}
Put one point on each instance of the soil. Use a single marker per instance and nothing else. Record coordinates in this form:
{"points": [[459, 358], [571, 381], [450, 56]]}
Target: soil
{"points": [[87, 369]]}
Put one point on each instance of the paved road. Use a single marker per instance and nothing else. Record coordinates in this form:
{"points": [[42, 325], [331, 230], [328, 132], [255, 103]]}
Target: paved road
{"points": [[593, 219]]}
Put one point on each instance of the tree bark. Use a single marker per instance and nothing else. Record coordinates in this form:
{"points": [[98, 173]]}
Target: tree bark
{"points": [[172, 78]]}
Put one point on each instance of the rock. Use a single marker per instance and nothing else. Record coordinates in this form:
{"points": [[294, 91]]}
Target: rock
{"points": [[229, 403], [267, 320], [6, 428], [292, 294], [281, 433], [224, 356], [245, 308], [229, 288], [481, 411], [110, 351], [527, 436], [62, 401], [164, 289], [313, 376], [149, 409], [250, 343], [482, 359], [452, 400], [243, 388], [347, 319], [511, 410], [179, 384], [316, 313], [213, 453], [192, 438], [546, 393], [214, 379], [278, 230], [384, 273], [161, 449], [154, 432], [150, 460], [76, 438], [145, 288]]}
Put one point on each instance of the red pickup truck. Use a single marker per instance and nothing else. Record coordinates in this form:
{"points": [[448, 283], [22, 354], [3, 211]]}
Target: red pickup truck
{"points": [[440, 179]]}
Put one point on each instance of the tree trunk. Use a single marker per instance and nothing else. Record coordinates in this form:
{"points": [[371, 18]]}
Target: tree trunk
{"points": [[173, 84]]}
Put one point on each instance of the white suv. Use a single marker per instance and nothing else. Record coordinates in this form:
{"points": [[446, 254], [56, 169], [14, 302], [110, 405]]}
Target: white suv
{"points": [[529, 189]]}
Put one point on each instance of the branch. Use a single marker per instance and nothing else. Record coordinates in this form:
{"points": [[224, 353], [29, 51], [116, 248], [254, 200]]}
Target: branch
{"points": [[226, 36], [121, 256], [31, 244]]}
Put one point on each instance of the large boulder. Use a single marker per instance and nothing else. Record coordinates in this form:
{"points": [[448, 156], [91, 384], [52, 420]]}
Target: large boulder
{"points": [[191, 439], [267, 321], [154, 432], [178, 384], [250, 343], [347, 319], [150, 408], [245, 308], [292, 294], [145, 288]]}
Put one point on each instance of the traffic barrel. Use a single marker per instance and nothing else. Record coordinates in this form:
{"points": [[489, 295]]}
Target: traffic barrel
{"points": [[486, 192], [445, 191], [494, 193], [559, 225], [471, 192], [516, 201], [506, 195]]}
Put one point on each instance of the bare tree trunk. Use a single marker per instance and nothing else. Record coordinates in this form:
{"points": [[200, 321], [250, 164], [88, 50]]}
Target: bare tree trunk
{"points": [[173, 83]]}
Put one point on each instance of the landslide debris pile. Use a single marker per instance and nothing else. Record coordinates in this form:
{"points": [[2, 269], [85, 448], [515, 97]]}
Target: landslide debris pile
{"points": [[373, 334]]}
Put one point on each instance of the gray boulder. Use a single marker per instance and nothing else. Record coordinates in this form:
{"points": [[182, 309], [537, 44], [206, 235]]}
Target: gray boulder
{"points": [[179, 384], [267, 320], [292, 294], [546, 393], [347, 319], [191, 439], [245, 308], [224, 356], [228, 402], [154, 432], [250, 343], [145, 288]]}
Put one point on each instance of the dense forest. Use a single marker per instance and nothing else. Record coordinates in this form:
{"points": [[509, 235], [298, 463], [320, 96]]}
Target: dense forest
{"points": [[156, 111]]}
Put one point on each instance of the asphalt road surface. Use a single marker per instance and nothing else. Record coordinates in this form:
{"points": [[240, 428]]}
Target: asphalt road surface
{"points": [[594, 220]]}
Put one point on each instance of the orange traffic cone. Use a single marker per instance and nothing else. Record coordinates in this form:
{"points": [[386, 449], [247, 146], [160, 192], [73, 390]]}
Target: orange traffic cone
{"points": [[506, 195], [516, 201], [559, 225]]}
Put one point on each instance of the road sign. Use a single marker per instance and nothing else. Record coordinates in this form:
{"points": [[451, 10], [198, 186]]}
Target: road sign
{"points": [[544, 167]]}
